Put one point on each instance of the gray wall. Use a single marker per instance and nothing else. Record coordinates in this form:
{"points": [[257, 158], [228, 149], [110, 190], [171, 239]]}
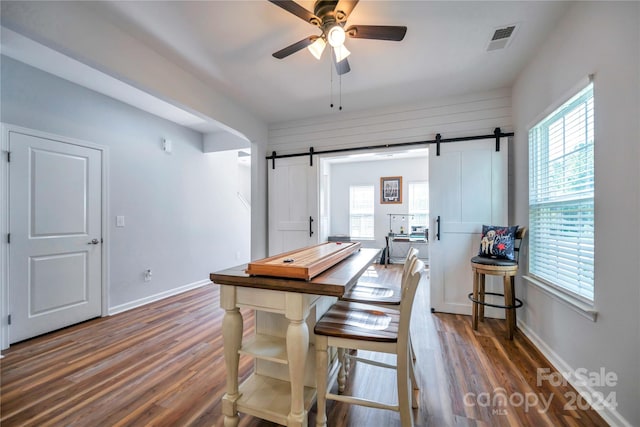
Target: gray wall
{"points": [[79, 30], [601, 38], [183, 216]]}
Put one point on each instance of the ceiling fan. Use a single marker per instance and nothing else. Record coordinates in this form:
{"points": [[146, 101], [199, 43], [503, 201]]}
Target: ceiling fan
{"points": [[330, 16]]}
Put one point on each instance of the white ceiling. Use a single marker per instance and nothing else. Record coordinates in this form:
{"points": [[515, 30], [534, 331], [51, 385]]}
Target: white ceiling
{"points": [[228, 45]]}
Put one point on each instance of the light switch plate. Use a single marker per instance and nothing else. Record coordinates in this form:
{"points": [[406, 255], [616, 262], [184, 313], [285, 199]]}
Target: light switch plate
{"points": [[120, 221], [167, 146]]}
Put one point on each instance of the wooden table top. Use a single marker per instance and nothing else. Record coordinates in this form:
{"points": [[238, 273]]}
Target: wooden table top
{"points": [[332, 282]]}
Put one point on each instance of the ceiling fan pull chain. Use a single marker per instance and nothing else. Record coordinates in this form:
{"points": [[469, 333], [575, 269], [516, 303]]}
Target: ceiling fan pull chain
{"points": [[340, 88], [331, 82]]}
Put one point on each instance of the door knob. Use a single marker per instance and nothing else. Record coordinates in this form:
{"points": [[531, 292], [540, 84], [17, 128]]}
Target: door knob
{"points": [[94, 242]]}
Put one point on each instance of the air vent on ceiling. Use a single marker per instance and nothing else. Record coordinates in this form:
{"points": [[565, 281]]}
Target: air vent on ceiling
{"points": [[501, 38]]}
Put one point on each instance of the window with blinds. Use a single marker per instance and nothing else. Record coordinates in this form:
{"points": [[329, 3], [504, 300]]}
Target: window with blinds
{"points": [[361, 202], [418, 204], [561, 197]]}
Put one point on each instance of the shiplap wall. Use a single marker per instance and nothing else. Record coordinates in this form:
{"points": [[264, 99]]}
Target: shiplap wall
{"points": [[465, 115]]}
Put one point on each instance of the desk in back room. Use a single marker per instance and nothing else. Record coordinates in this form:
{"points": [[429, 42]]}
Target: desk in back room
{"points": [[282, 387], [399, 247]]}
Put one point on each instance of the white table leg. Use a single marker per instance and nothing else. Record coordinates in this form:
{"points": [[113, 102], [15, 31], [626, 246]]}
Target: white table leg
{"points": [[232, 339], [321, 379], [297, 349]]}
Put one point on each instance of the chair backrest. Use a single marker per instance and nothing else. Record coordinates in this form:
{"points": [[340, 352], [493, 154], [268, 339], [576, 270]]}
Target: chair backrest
{"points": [[411, 255], [410, 281], [520, 234]]}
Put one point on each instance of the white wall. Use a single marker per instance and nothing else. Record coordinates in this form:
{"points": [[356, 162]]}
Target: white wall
{"points": [[601, 38], [472, 114], [343, 175], [183, 217]]}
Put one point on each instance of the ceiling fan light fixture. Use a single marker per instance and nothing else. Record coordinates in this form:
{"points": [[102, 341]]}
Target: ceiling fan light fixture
{"points": [[336, 36], [341, 53], [317, 47]]}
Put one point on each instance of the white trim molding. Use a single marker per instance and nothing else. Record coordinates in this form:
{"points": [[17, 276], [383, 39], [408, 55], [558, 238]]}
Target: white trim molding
{"points": [[157, 297], [4, 230], [607, 412]]}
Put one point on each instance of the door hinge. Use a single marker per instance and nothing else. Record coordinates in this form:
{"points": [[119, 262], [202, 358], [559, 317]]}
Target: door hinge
{"points": [[8, 237], [8, 156], [8, 319]]}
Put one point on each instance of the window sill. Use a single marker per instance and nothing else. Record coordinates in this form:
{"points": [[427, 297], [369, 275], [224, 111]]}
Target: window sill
{"points": [[575, 304]]}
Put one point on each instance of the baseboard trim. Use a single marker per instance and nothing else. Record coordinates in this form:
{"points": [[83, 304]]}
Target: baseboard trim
{"points": [[610, 415], [157, 297]]}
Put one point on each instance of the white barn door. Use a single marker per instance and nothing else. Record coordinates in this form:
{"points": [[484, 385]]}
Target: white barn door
{"points": [[467, 188], [55, 253], [293, 204]]}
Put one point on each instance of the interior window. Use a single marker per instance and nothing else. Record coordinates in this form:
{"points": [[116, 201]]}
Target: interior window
{"points": [[361, 202], [418, 208]]}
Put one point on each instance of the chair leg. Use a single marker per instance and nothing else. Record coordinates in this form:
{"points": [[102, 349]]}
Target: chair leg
{"points": [[404, 391], [474, 312], [508, 300], [321, 380], [342, 373], [482, 280], [513, 302], [347, 362], [414, 383]]}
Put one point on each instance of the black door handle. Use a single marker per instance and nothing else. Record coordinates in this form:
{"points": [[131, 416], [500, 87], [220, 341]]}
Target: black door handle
{"points": [[310, 230], [438, 228]]}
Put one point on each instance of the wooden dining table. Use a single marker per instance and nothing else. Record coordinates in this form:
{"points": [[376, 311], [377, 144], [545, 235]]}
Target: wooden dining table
{"points": [[282, 387]]}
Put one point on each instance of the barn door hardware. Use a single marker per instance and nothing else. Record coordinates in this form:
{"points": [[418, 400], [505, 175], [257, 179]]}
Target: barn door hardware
{"points": [[497, 133], [310, 229], [438, 228]]}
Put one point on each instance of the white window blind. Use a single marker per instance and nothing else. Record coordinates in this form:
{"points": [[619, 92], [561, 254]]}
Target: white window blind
{"points": [[418, 204], [561, 197], [361, 202]]}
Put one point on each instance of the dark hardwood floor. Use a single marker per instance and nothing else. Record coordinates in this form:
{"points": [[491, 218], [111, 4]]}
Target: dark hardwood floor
{"points": [[162, 364]]}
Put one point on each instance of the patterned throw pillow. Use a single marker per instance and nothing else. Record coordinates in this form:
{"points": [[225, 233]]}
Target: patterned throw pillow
{"points": [[498, 242]]}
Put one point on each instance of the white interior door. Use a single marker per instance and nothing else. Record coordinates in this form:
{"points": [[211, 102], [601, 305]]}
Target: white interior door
{"points": [[55, 224], [293, 204], [467, 188]]}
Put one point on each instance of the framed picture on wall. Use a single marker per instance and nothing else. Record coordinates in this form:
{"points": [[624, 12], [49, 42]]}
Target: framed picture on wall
{"points": [[391, 189]]}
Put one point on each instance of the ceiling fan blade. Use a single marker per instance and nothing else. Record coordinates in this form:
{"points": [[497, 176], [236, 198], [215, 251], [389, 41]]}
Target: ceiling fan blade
{"points": [[343, 9], [294, 8], [342, 67], [291, 49], [377, 32]]}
